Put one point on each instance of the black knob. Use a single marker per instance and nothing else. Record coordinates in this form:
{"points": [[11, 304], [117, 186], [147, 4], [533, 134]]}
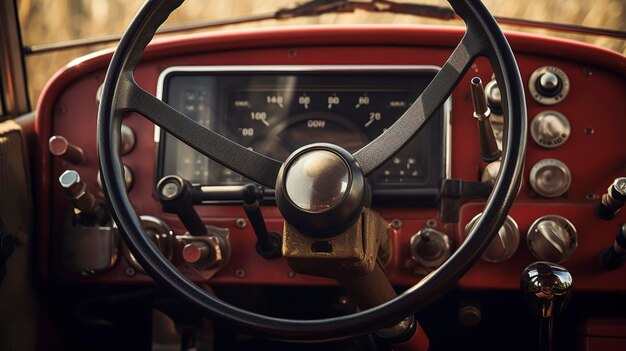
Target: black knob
{"points": [[613, 256], [176, 195]]}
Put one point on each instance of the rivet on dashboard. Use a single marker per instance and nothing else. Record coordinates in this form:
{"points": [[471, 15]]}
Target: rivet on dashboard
{"points": [[291, 274], [87, 272], [589, 131], [431, 223], [240, 223], [240, 273], [587, 72], [396, 223], [130, 271]]}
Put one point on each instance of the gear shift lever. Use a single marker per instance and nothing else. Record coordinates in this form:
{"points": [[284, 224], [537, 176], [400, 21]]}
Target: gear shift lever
{"points": [[547, 288]]}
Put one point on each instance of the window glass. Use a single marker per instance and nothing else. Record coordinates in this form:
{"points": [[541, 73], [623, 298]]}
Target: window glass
{"points": [[47, 21]]}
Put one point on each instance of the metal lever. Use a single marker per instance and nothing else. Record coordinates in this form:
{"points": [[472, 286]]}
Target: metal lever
{"points": [[489, 150], [176, 195], [91, 211], [268, 244], [613, 257], [547, 288], [613, 201], [59, 146]]}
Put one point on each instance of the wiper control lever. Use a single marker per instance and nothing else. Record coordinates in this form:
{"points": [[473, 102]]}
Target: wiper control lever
{"points": [[268, 244], [176, 196]]}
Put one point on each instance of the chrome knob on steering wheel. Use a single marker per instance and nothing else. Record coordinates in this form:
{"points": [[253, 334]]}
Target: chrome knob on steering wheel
{"points": [[320, 190]]}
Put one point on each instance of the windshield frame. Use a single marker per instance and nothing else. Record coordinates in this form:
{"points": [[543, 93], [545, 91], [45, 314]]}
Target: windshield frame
{"points": [[14, 88]]}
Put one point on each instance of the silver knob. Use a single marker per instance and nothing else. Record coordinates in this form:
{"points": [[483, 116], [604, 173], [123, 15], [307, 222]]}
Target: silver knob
{"points": [[76, 191], [550, 177], [504, 245], [128, 178], [547, 288], [549, 81], [550, 129], [494, 97], [549, 85], [430, 248], [552, 238], [127, 140], [59, 146]]}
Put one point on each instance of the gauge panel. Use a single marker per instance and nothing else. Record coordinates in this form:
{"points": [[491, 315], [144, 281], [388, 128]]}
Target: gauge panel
{"points": [[275, 112]]}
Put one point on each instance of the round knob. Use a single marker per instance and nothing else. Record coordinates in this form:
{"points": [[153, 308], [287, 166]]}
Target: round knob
{"points": [[552, 238], [128, 178], [550, 177], [547, 288], [550, 129], [430, 248], [504, 245], [494, 97], [160, 234], [548, 85], [320, 190], [127, 140], [196, 251]]}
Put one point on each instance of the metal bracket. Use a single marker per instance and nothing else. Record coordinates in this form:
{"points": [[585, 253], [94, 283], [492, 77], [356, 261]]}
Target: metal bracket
{"points": [[455, 192], [219, 250]]}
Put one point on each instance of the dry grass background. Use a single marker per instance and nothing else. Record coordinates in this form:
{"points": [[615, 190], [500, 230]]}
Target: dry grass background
{"points": [[46, 21]]}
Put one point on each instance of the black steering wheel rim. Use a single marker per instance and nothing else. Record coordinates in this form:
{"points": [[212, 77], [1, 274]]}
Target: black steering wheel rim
{"points": [[121, 95]]}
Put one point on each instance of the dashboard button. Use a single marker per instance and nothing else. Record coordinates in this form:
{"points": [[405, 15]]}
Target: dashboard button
{"points": [[550, 177]]}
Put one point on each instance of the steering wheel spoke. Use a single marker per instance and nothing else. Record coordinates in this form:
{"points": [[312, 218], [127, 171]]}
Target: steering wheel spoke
{"points": [[377, 152], [246, 162]]}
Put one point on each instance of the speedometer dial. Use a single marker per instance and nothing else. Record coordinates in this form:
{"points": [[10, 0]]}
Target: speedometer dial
{"points": [[275, 113]]}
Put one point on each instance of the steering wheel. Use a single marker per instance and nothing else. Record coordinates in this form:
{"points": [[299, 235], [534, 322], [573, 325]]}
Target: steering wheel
{"points": [[121, 95]]}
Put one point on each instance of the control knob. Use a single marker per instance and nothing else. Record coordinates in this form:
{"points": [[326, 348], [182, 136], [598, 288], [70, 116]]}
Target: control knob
{"points": [[504, 245], [494, 97], [550, 177], [430, 248], [548, 85], [60, 147], [552, 238], [550, 129]]}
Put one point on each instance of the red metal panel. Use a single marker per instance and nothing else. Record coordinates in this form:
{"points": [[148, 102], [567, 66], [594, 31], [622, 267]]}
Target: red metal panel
{"points": [[68, 107]]}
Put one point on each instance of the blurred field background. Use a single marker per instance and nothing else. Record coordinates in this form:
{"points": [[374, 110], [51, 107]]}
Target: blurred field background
{"points": [[46, 21]]}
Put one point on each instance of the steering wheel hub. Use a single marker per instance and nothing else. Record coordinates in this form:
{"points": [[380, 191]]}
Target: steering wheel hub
{"points": [[320, 190]]}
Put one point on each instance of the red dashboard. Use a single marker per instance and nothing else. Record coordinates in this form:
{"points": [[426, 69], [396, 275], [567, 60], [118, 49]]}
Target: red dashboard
{"points": [[594, 153]]}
